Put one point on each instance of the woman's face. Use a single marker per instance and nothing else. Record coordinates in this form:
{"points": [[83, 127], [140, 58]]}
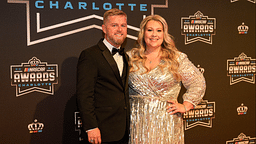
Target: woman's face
{"points": [[154, 34]]}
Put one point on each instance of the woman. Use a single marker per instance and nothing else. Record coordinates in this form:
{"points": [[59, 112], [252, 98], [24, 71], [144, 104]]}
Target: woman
{"points": [[157, 70]]}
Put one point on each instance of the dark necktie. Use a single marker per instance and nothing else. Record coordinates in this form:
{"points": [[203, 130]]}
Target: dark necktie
{"points": [[115, 50]]}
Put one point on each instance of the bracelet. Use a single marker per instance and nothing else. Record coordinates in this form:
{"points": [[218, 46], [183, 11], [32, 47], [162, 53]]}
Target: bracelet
{"points": [[185, 108]]}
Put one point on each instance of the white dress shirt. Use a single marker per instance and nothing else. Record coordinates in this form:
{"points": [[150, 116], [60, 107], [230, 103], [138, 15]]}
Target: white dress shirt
{"points": [[118, 58]]}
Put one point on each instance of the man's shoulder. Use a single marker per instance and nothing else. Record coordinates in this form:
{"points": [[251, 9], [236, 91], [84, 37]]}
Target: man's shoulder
{"points": [[93, 48]]}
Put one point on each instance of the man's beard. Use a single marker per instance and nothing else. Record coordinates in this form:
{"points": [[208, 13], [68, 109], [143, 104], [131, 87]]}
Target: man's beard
{"points": [[117, 41]]}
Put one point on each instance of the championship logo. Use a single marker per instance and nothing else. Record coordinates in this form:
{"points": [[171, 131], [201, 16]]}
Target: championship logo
{"points": [[34, 76], [198, 27], [242, 110], [242, 139], [78, 124], [241, 68], [201, 115], [35, 127], [243, 29]]}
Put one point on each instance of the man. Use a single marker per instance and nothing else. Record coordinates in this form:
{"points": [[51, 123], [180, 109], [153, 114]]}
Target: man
{"points": [[102, 84]]}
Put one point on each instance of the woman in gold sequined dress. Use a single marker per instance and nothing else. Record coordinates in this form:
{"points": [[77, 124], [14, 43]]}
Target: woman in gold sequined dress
{"points": [[157, 71]]}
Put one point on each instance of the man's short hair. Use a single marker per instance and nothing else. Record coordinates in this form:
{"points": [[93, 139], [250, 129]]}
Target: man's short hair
{"points": [[112, 12]]}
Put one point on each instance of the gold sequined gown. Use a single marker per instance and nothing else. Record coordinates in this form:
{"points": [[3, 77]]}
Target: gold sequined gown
{"points": [[150, 123]]}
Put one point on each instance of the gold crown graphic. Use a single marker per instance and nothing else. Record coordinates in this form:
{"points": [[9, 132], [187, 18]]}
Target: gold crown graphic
{"points": [[242, 29], [242, 109], [241, 136], [198, 14], [242, 56], [35, 126], [34, 61]]}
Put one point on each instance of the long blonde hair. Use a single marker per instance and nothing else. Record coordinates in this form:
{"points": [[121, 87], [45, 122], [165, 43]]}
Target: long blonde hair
{"points": [[169, 52]]}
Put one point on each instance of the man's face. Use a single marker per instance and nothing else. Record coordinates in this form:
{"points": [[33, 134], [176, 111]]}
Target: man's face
{"points": [[115, 30]]}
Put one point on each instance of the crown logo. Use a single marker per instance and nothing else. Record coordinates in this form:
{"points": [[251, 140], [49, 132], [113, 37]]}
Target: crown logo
{"points": [[200, 69], [242, 56], [34, 61], [241, 136], [35, 127], [198, 15], [243, 29], [242, 109]]}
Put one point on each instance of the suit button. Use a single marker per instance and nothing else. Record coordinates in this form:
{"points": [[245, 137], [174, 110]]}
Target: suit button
{"points": [[125, 108]]}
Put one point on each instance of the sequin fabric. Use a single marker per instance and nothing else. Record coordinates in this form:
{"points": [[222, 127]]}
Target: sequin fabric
{"points": [[150, 122]]}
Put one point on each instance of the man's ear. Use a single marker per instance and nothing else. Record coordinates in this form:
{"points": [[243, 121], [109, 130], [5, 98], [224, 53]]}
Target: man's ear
{"points": [[103, 28]]}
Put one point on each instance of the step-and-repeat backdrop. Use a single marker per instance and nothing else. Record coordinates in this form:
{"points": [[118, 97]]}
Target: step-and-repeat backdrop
{"points": [[41, 41]]}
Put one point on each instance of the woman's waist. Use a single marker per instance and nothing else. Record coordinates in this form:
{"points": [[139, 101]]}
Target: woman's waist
{"points": [[153, 97]]}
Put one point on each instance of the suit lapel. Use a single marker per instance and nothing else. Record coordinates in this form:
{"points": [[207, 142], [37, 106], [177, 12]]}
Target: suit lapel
{"points": [[126, 76], [108, 56]]}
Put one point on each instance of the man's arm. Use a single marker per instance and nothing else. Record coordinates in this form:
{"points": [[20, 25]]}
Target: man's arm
{"points": [[86, 79]]}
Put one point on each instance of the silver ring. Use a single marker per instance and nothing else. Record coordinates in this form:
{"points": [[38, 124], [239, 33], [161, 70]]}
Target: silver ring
{"points": [[175, 107], [91, 140]]}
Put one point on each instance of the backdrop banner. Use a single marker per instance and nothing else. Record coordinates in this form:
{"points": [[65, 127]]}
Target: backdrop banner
{"points": [[41, 41]]}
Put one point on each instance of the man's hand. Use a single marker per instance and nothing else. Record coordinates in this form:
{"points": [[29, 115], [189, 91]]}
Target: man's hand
{"points": [[94, 136]]}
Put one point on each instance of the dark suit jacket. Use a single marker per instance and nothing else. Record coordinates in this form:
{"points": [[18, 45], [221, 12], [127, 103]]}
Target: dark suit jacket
{"points": [[102, 95]]}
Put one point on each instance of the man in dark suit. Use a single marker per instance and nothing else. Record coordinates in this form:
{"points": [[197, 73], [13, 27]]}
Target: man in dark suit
{"points": [[102, 84]]}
